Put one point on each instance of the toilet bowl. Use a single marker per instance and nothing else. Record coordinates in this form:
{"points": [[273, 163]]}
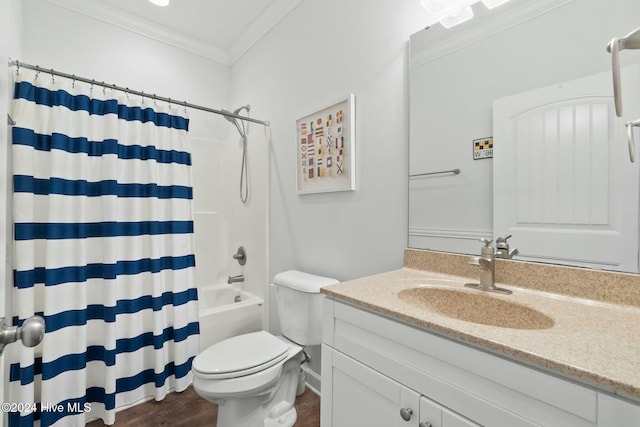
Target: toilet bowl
{"points": [[254, 377]]}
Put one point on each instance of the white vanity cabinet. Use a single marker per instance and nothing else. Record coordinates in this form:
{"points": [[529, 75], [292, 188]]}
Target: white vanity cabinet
{"points": [[377, 371], [363, 397]]}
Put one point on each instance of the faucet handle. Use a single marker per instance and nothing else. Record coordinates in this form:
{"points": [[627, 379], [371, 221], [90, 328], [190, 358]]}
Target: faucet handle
{"points": [[487, 249], [503, 239]]}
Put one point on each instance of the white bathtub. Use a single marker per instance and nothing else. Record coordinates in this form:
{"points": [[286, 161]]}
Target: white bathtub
{"points": [[221, 317]]}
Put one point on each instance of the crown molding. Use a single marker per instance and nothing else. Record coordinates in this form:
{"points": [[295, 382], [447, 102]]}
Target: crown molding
{"points": [[261, 26], [113, 16], [135, 24], [437, 42]]}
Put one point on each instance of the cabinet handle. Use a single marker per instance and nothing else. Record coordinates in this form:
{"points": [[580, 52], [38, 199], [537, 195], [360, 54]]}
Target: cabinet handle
{"points": [[406, 413], [426, 424]]}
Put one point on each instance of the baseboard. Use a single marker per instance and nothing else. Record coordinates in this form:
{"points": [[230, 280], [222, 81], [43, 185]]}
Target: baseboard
{"points": [[313, 380]]}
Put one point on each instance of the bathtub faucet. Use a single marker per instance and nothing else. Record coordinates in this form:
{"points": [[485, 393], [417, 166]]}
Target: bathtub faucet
{"points": [[235, 279]]}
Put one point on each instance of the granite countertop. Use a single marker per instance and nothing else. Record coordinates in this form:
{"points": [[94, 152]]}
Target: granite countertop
{"points": [[592, 341]]}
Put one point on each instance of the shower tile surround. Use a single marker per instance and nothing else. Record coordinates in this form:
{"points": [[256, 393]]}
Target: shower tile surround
{"points": [[595, 339]]}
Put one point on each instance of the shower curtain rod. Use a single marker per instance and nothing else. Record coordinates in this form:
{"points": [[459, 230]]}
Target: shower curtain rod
{"points": [[170, 101]]}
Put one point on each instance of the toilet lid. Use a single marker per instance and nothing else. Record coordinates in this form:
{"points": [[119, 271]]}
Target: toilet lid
{"points": [[241, 355]]}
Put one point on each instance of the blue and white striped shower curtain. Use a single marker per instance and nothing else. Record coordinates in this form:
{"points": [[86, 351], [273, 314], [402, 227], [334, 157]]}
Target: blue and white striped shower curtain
{"points": [[103, 251]]}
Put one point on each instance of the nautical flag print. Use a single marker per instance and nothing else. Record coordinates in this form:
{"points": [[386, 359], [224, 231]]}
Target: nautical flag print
{"points": [[323, 148]]}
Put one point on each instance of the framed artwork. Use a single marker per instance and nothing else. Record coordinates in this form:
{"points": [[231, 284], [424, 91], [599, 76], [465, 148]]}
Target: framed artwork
{"points": [[325, 149]]}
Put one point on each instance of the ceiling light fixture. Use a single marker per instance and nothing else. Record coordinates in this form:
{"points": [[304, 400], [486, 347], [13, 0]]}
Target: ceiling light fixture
{"points": [[444, 8], [457, 17], [493, 3], [161, 3], [454, 12]]}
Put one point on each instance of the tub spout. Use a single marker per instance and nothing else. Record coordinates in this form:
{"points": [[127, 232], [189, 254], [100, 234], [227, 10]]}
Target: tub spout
{"points": [[235, 279]]}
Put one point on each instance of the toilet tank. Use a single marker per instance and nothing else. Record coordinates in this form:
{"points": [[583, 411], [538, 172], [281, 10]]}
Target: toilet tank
{"points": [[299, 304]]}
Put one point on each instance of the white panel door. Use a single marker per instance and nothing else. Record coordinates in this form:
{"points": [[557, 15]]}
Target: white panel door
{"points": [[564, 186]]}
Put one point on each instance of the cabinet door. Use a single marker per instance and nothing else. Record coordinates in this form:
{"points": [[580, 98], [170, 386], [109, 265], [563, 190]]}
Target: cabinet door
{"points": [[435, 415], [364, 397], [614, 412], [451, 419], [430, 413]]}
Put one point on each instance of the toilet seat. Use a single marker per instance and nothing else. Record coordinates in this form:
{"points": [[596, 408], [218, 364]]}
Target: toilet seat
{"points": [[240, 355]]}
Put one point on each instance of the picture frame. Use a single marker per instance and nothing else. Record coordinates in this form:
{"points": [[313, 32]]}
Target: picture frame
{"points": [[325, 146]]}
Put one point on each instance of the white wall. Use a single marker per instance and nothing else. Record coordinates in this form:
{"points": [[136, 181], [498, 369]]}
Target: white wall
{"points": [[322, 51]]}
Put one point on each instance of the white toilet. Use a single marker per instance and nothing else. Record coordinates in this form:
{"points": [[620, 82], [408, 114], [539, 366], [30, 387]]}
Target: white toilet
{"points": [[254, 377]]}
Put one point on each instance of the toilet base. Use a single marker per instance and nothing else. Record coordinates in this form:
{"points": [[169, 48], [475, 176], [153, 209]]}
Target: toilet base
{"points": [[251, 413], [288, 419], [271, 405]]}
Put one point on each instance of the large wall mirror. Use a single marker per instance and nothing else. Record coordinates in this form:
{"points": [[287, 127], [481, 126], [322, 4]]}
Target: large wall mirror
{"points": [[530, 84]]}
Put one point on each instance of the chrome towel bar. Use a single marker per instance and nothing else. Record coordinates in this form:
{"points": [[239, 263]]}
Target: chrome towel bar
{"points": [[453, 171]]}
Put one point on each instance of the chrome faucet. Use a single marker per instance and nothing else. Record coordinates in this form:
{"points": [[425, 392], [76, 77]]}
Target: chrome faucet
{"points": [[502, 248], [235, 279], [487, 264]]}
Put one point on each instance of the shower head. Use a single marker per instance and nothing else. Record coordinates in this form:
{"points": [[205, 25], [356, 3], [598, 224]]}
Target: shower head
{"points": [[235, 112], [244, 107], [234, 120]]}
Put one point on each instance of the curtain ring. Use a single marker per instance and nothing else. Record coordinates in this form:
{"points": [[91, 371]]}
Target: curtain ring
{"points": [[17, 67], [185, 107], [37, 72], [104, 89], [169, 103], [155, 99], [91, 88], [53, 80], [126, 92], [73, 81]]}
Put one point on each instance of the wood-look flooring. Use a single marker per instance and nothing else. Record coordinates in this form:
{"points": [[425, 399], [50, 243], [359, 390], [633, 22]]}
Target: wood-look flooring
{"points": [[190, 410]]}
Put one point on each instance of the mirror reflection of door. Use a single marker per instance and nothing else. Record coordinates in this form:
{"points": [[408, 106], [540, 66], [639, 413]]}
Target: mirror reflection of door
{"points": [[563, 176]]}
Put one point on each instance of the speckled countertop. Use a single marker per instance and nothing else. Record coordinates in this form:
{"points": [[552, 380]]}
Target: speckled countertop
{"points": [[595, 338]]}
